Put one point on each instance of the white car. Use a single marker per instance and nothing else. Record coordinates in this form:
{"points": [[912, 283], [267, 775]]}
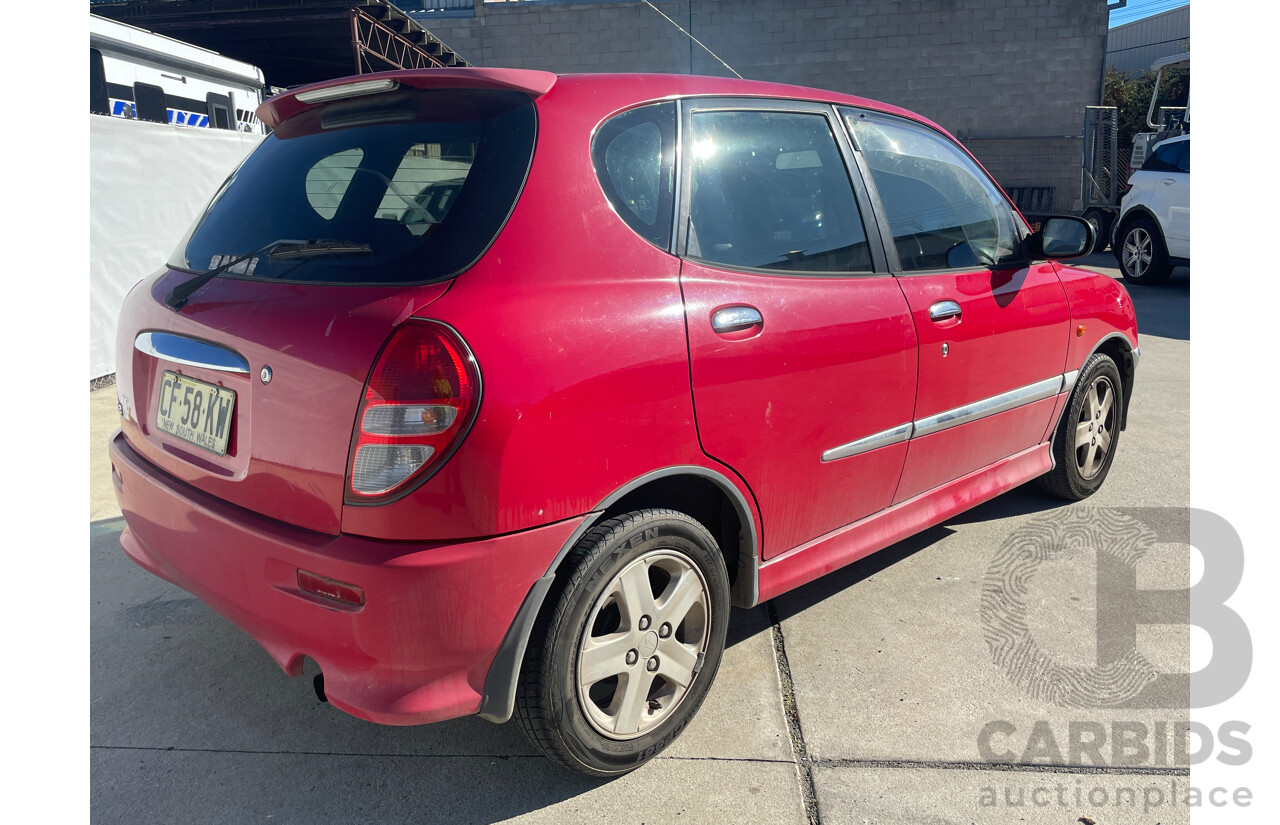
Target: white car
{"points": [[1153, 232]]}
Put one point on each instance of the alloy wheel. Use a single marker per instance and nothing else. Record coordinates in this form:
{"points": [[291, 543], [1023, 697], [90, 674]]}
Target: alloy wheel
{"points": [[643, 644], [1095, 427], [1137, 252]]}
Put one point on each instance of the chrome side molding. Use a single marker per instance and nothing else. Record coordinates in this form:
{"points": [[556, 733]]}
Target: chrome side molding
{"points": [[893, 435], [960, 415], [191, 352], [989, 406]]}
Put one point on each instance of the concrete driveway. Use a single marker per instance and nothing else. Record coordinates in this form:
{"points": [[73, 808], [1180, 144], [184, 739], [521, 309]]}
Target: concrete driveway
{"points": [[873, 695]]}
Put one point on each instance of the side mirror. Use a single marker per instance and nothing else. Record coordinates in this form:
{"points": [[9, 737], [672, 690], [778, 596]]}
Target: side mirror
{"points": [[1060, 237]]}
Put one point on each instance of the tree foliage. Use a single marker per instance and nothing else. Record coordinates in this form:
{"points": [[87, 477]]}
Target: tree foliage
{"points": [[1131, 94]]}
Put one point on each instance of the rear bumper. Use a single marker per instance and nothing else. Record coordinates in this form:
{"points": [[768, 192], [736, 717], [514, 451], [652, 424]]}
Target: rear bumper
{"points": [[417, 651]]}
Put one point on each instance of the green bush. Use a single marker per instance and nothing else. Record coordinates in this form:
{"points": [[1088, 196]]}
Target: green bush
{"points": [[1131, 94]]}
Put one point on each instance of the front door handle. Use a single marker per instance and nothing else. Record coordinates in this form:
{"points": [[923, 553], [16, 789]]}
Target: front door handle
{"points": [[735, 319], [943, 310]]}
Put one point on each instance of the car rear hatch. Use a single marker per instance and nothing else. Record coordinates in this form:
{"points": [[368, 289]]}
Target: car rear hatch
{"points": [[355, 214]]}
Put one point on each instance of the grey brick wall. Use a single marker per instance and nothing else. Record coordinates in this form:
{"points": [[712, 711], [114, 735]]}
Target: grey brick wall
{"points": [[1009, 78], [1024, 163]]}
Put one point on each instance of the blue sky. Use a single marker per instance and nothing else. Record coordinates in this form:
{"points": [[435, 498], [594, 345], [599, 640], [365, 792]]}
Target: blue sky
{"points": [[1138, 9]]}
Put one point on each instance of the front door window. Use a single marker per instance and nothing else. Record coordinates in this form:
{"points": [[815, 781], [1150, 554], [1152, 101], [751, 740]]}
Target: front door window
{"points": [[943, 212]]}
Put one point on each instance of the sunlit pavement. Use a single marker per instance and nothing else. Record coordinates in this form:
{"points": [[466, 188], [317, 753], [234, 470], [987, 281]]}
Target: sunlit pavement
{"points": [[862, 697]]}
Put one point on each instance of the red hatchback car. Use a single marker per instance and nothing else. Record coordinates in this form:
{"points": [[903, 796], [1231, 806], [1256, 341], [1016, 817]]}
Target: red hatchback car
{"points": [[490, 391]]}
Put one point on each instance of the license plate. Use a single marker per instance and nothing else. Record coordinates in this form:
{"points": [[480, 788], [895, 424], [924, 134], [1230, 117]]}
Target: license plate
{"points": [[196, 412]]}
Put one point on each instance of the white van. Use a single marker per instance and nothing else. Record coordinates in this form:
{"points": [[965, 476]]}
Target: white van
{"points": [[140, 75]]}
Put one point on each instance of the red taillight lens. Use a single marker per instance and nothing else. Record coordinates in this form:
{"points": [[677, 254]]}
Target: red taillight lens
{"points": [[420, 399]]}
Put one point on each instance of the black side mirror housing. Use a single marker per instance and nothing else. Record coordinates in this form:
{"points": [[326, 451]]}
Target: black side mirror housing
{"points": [[1061, 236]]}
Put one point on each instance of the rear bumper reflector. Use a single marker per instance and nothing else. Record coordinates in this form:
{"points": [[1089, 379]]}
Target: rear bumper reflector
{"points": [[330, 589]]}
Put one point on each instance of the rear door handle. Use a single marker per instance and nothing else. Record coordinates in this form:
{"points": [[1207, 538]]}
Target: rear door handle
{"points": [[735, 319], [1168, 181], [943, 310]]}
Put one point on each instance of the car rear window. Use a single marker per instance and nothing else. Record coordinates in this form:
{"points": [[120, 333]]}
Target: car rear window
{"points": [[425, 179]]}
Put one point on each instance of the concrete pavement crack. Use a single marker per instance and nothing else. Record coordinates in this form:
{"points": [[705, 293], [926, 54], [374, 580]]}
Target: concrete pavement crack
{"points": [[1120, 770], [807, 788]]}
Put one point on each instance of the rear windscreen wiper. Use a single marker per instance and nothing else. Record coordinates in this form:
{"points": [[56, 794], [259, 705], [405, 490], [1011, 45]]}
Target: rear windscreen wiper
{"points": [[178, 296], [316, 249]]}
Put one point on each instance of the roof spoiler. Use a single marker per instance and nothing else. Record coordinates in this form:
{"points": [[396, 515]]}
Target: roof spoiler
{"points": [[280, 108]]}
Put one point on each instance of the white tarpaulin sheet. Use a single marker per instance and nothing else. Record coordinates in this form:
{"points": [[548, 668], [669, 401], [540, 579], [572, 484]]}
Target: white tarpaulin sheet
{"points": [[147, 184]]}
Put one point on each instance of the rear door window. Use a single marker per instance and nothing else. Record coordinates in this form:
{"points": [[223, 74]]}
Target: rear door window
{"points": [[769, 190], [1169, 157], [425, 179]]}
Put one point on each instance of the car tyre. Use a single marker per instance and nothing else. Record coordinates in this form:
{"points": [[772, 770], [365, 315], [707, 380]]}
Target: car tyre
{"points": [[1085, 441], [1100, 219], [627, 644], [1142, 254]]}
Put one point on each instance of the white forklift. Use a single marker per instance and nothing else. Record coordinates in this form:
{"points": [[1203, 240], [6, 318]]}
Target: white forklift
{"points": [[1103, 178]]}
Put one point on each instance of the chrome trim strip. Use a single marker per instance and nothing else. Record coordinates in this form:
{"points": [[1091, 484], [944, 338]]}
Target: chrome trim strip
{"points": [[989, 406], [1134, 353], [960, 415], [893, 435], [193, 353]]}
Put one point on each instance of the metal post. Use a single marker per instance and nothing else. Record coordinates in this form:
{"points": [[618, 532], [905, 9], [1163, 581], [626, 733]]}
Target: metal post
{"points": [[355, 40]]}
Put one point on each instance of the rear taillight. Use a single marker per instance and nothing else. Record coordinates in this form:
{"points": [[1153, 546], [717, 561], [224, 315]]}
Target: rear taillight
{"points": [[419, 402]]}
